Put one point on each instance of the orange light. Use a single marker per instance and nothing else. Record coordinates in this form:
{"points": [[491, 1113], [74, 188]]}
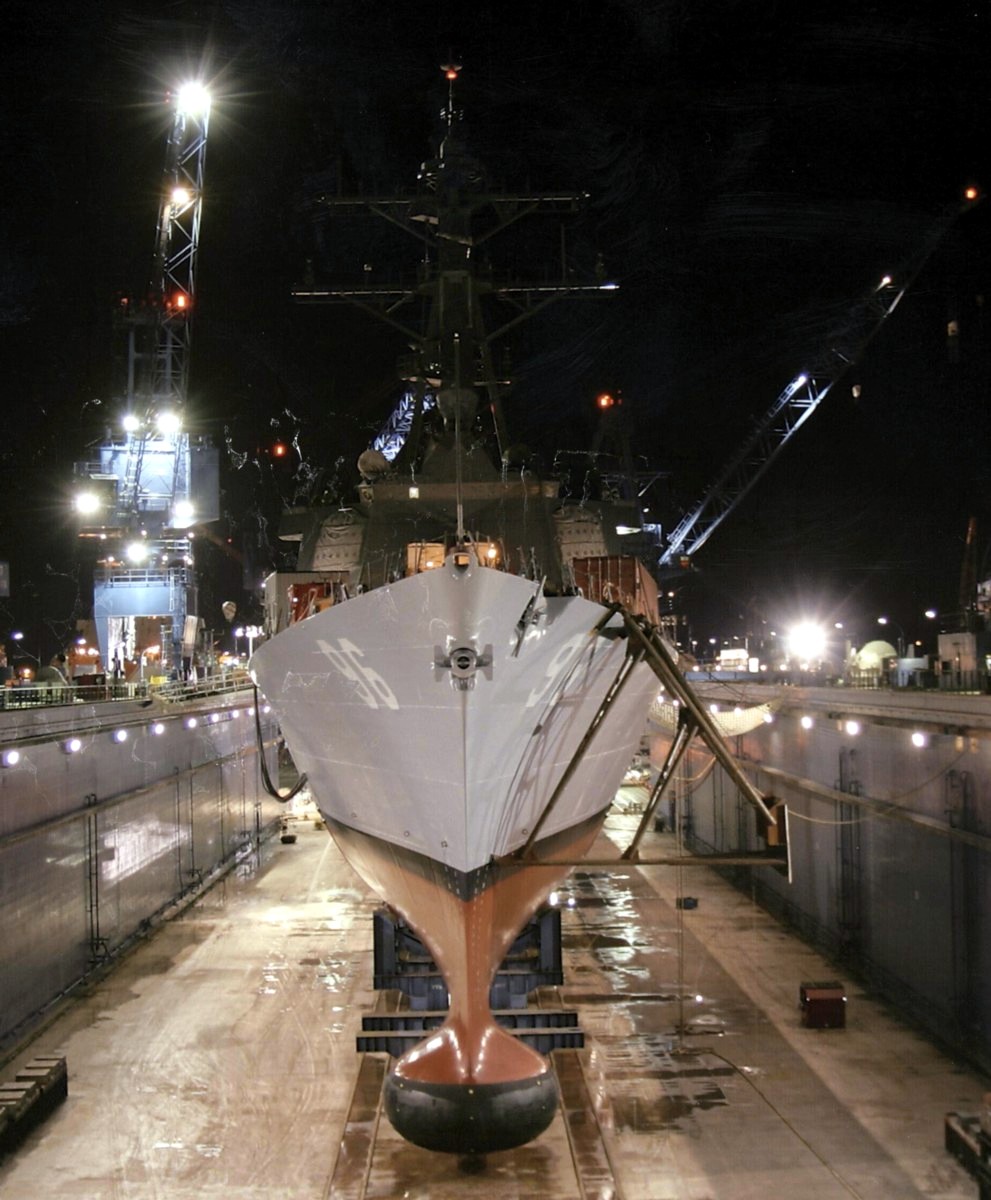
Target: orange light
{"points": [[180, 300], [279, 450], [971, 193], [605, 400]]}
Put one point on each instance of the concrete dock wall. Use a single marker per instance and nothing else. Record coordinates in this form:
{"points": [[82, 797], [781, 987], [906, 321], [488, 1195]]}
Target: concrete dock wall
{"points": [[890, 837], [109, 815]]}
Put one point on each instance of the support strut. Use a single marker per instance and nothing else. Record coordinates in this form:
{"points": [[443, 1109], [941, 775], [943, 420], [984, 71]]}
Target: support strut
{"points": [[664, 667], [686, 731]]}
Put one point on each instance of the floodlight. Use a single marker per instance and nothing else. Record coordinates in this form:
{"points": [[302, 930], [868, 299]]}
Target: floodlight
{"points": [[86, 503], [807, 641], [168, 422], [193, 100]]}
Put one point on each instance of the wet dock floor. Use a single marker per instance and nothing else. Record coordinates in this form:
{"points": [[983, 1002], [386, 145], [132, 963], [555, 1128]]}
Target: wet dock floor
{"points": [[218, 1059]]}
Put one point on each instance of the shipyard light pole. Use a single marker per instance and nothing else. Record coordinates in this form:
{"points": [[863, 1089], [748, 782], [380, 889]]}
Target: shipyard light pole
{"points": [[153, 480]]}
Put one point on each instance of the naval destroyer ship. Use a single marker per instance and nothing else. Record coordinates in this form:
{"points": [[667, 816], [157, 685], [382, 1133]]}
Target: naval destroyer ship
{"points": [[452, 670]]}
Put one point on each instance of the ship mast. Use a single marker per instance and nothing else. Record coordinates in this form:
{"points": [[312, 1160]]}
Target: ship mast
{"points": [[452, 215]]}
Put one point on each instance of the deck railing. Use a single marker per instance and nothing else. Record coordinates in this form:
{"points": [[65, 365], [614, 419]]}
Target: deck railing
{"points": [[978, 681], [35, 695]]}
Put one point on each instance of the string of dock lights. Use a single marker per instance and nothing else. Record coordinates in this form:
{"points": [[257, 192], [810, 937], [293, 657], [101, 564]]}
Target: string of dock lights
{"points": [[12, 756]]}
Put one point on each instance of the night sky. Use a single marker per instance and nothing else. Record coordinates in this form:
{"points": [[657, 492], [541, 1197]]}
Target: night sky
{"points": [[753, 169]]}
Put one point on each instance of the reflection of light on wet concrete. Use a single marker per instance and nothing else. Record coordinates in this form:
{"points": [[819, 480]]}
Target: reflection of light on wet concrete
{"points": [[280, 914], [639, 1080]]}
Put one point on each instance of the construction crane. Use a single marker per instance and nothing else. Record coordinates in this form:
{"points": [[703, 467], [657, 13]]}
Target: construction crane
{"points": [[802, 396], [153, 480]]}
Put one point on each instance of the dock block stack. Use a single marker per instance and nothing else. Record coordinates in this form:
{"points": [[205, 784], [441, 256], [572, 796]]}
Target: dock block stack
{"points": [[36, 1090]]}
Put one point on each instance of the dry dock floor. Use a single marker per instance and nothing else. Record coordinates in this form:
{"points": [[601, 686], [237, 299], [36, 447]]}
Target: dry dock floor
{"points": [[218, 1059]]}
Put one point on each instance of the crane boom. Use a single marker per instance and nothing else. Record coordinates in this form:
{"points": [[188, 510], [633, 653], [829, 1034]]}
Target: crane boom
{"points": [[176, 245], [802, 396]]}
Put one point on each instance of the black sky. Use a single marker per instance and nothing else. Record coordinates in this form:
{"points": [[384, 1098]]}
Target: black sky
{"points": [[752, 169]]}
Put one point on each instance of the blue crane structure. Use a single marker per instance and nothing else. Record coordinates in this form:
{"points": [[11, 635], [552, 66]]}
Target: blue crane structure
{"points": [[152, 480]]}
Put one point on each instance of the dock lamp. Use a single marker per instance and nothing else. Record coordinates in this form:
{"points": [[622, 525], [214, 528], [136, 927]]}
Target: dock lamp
{"points": [[807, 642], [193, 99], [86, 503], [95, 496], [168, 423], [182, 513]]}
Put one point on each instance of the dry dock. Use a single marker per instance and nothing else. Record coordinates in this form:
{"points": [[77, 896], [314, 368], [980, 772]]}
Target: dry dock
{"points": [[218, 1059]]}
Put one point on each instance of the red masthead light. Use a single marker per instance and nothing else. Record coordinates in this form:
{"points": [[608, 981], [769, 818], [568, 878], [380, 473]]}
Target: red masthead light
{"points": [[451, 71]]}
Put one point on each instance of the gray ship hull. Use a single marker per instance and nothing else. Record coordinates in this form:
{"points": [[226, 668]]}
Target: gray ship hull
{"points": [[455, 764]]}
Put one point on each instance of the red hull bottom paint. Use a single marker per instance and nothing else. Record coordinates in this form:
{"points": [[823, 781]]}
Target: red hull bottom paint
{"points": [[469, 1087]]}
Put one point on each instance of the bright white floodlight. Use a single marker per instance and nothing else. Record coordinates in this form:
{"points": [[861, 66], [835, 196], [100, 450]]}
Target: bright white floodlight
{"points": [[137, 552], [87, 503], [168, 422], [131, 423], [193, 100], [807, 641], [182, 512]]}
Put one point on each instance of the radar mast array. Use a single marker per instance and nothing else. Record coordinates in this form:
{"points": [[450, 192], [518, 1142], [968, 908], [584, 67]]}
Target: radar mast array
{"points": [[446, 217]]}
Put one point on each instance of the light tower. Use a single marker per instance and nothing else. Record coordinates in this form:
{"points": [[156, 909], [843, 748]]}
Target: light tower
{"points": [[153, 480]]}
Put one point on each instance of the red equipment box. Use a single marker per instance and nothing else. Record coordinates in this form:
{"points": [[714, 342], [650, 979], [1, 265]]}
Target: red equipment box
{"points": [[823, 1004]]}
